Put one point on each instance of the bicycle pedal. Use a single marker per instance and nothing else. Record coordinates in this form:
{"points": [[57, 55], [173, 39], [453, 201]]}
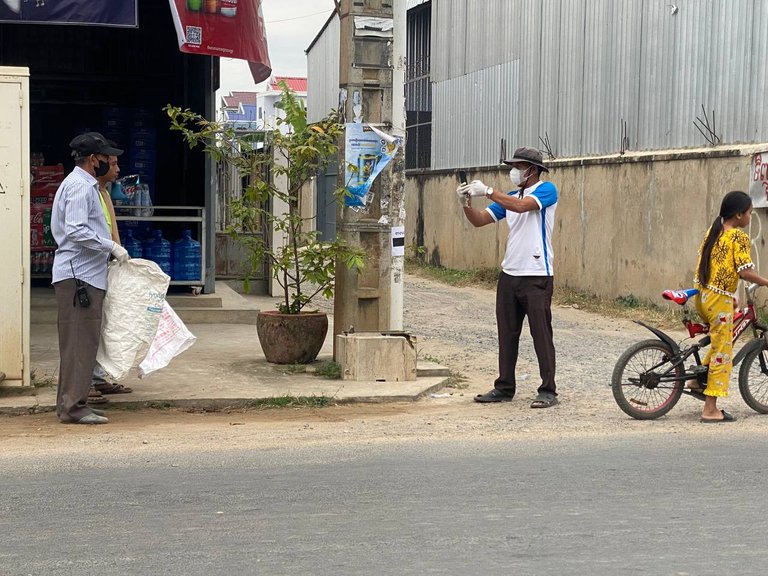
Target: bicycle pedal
{"points": [[638, 402]]}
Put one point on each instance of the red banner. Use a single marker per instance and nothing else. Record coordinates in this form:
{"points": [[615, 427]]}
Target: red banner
{"points": [[226, 28]]}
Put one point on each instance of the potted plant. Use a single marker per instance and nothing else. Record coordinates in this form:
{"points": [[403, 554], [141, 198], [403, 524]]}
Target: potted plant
{"points": [[303, 265]]}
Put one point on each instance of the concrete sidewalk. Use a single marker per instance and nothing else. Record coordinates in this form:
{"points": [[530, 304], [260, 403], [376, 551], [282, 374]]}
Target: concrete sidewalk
{"points": [[224, 368]]}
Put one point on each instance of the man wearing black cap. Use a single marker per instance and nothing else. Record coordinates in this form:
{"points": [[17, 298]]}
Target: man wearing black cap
{"points": [[526, 280], [79, 226]]}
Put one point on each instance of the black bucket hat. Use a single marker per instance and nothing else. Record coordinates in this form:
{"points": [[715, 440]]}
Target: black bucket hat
{"points": [[529, 155], [92, 143]]}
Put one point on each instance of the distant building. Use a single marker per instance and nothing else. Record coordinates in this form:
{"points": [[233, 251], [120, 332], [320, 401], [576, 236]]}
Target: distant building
{"points": [[256, 111]]}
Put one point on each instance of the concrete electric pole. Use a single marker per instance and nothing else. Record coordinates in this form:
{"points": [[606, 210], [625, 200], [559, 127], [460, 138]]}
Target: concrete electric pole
{"points": [[371, 82]]}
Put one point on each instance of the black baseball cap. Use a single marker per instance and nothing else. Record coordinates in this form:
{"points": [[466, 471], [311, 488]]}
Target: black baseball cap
{"points": [[93, 143]]}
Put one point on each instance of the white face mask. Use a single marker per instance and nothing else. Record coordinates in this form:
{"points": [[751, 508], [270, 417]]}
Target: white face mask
{"points": [[518, 176]]}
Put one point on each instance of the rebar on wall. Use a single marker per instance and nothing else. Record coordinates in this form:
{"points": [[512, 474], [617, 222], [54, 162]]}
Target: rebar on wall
{"points": [[547, 146], [706, 128], [623, 136]]}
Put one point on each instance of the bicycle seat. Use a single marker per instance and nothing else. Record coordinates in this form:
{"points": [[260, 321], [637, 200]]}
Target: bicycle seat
{"points": [[679, 296]]}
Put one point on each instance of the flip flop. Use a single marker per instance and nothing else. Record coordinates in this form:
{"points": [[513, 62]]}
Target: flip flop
{"points": [[726, 418], [113, 388], [544, 400]]}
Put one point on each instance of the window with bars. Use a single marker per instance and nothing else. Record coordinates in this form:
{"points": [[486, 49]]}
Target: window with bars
{"points": [[418, 88]]}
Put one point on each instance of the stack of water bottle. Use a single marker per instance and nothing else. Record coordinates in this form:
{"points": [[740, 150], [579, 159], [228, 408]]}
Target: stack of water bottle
{"points": [[180, 259]]}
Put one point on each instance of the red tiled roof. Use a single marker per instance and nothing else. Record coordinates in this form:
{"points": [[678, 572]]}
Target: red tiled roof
{"points": [[294, 83], [236, 98]]}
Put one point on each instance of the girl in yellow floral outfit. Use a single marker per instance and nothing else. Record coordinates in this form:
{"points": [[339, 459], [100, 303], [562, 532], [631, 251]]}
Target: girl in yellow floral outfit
{"points": [[724, 257]]}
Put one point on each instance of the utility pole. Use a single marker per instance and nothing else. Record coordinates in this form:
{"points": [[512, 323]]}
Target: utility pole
{"points": [[371, 83]]}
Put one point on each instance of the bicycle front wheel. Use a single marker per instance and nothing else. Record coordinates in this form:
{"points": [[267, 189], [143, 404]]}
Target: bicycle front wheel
{"points": [[753, 379], [645, 384]]}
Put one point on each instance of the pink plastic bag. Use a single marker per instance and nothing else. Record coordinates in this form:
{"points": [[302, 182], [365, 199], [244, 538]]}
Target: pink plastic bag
{"points": [[172, 339]]}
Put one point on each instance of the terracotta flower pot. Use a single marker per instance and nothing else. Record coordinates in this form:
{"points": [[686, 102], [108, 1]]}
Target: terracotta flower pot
{"points": [[291, 338]]}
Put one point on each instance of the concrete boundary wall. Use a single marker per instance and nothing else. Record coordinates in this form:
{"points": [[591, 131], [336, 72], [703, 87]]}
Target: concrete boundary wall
{"points": [[625, 225]]}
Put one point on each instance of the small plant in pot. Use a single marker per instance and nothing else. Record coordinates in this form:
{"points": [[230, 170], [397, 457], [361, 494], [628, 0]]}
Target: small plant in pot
{"points": [[303, 265]]}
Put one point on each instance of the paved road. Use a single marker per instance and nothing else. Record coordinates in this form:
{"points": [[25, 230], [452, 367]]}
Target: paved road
{"points": [[615, 506]]}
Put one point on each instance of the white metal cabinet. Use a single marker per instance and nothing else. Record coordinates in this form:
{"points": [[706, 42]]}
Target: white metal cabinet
{"points": [[14, 226]]}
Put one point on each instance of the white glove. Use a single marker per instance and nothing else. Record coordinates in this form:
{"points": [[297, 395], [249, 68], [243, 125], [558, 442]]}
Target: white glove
{"points": [[477, 188], [120, 253], [463, 194]]}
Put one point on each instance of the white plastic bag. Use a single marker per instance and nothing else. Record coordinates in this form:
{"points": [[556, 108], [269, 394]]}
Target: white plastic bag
{"points": [[132, 309], [172, 339]]}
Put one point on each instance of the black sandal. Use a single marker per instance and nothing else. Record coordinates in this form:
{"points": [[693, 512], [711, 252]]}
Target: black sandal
{"points": [[544, 400], [493, 396]]}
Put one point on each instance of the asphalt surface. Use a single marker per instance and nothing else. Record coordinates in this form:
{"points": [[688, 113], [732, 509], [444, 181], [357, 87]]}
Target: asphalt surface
{"points": [[676, 505]]}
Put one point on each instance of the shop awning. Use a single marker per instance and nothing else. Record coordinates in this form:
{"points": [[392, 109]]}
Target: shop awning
{"points": [[226, 28], [94, 12]]}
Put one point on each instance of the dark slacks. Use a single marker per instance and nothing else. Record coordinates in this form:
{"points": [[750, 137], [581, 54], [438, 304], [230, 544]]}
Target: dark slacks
{"points": [[79, 331], [516, 298]]}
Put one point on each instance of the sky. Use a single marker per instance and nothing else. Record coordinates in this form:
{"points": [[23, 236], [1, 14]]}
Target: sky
{"points": [[291, 27]]}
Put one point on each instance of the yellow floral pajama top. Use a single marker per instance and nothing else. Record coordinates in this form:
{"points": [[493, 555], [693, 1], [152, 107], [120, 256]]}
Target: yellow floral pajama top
{"points": [[730, 255]]}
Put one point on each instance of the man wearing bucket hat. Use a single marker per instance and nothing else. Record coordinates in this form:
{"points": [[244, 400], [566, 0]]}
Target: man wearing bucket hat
{"points": [[79, 227], [526, 280]]}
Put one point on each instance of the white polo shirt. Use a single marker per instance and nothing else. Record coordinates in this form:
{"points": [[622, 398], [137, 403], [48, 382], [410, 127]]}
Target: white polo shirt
{"points": [[529, 243]]}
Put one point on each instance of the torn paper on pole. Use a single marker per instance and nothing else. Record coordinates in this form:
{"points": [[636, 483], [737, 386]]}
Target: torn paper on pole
{"points": [[371, 26], [368, 151]]}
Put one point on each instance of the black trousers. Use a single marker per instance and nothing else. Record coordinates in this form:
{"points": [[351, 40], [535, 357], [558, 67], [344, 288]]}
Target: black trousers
{"points": [[79, 332], [516, 298]]}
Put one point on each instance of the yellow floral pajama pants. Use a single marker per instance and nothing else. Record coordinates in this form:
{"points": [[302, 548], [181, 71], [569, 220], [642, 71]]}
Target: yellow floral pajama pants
{"points": [[717, 310]]}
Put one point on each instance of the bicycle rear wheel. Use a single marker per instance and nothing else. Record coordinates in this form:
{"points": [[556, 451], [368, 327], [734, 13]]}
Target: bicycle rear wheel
{"points": [[645, 384], [753, 379]]}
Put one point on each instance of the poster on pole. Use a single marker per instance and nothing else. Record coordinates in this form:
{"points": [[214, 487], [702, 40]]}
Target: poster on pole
{"points": [[368, 151], [758, 181], [398, 240]]}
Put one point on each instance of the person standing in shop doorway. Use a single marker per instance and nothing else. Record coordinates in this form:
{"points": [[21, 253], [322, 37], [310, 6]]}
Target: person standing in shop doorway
{"points": [[85, 244], [99, 383], [526, 280]]}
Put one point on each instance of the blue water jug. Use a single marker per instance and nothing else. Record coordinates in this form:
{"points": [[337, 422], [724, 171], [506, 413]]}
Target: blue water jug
{"points": [[158, 249], [117, 192], [132, 245], [186, 258]]}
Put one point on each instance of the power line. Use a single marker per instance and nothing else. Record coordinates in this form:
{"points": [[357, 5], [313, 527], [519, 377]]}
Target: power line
{"points": [[299, 17]]}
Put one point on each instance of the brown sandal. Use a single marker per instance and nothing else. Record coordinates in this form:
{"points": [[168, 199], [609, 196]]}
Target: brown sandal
{"points": [[95, 397], [108, 388]]}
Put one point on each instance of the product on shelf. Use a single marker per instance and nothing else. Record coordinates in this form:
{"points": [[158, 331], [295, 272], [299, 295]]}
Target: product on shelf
{"points": [[45, 181], [158, 249], [186, 258], [132, 245]]}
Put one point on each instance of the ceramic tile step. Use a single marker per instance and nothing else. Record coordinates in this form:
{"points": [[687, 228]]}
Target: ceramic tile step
{"points": [[187, 315], [176, 301], [425, 369], [217, 315], [188, 301]]}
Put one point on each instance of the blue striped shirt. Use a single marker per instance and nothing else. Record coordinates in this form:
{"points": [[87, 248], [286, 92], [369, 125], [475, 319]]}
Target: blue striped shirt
{"points": [[80, 229]]}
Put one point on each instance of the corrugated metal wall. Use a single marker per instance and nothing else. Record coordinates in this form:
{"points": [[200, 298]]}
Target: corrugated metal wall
{"points": [[576, 70], [457, 105], [323, 73]]}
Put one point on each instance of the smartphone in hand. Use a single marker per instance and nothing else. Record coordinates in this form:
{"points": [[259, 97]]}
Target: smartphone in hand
{"points": [[462, 177]]}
